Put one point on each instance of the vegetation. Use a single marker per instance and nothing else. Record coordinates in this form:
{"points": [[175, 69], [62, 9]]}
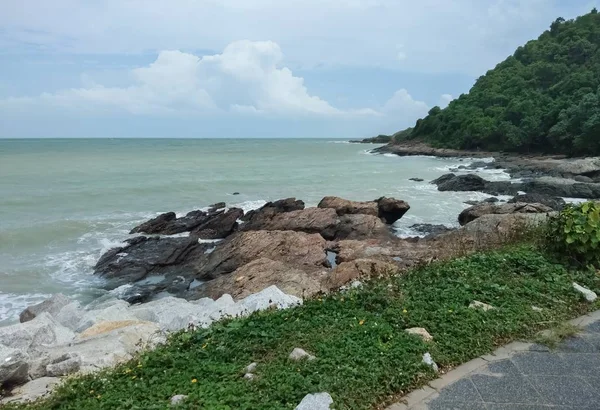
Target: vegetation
{"points": [[575, 233], [365, 359], [544, 98], [552, 337]]}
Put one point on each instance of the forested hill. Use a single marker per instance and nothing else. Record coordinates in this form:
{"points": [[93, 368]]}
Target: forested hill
{"points": [[544, 98]]}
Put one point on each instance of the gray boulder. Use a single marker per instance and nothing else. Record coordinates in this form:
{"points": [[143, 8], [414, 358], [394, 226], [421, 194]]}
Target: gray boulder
{"points": [[35, 335], [64, 365], [555, 203], [452, 182], [219, 226], [318, 401], [51, 306], [14, 366], [476, 211], [344, 206]]}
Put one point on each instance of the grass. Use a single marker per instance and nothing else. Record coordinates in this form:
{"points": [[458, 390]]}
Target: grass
{"points": [[553, 336], [365, 359]]}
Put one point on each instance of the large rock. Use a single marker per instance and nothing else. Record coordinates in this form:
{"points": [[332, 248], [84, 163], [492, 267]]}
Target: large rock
{"points": [[14, 366], [430, 230], [556, 203], [37, 334], [391, 209], [32, 391], [345, 206], [357, 227], [562, 187], [488, 226], [584, 166], [52, 306], [255, 219], [293, 248], [260, 274], [347, 272], [476, 211], [452, 182], [318, 401], [160, 224], [219, 226], [170, 261], [310, 220]]}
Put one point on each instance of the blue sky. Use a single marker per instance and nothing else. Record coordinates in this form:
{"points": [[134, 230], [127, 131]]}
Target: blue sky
{"points": [[249, 68]]}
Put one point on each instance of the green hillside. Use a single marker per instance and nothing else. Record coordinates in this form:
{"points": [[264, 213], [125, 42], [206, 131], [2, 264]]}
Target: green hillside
{"points": [[544, 98]]}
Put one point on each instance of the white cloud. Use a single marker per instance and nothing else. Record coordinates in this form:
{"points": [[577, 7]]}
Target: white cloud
{"points": [[402, 103], [445, 99]]}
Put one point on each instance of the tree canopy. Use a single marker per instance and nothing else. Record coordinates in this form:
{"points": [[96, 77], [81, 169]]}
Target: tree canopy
{"points": [[543, 98]]}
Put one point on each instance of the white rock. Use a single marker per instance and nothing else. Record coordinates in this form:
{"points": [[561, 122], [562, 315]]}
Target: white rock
{"points": [[267, 298], [14, 366], [480, 305], [537, 309], [318, 401], [70, 316], [419, 331], [41, 332], [51, 306], [64, 365], [249, 376], [251, 368], [299, 354], [169, 313], [429, 361], [177, 399], [589, 295], [32, 390]]}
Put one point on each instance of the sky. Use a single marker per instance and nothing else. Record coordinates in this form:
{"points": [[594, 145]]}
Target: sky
{"points": [[249, 68]]}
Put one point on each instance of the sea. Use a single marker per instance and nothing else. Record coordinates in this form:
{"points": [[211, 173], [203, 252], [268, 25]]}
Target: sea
{"points": [[63, 202]]}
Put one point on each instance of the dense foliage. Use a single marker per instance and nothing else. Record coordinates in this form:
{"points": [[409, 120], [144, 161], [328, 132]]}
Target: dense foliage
{"points": [[544, 98], [364, 358], [575, 233]]}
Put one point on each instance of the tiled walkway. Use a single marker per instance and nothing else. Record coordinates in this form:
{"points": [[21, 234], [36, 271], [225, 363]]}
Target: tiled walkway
{"points": [[522, 376]]}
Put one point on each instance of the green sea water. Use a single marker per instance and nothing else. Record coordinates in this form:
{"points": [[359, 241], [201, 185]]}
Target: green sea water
{"points": [[64, 202]]}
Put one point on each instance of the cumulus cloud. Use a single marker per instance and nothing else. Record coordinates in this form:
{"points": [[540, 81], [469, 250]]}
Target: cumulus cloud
{"points": [[403, 103], [445, 100]]}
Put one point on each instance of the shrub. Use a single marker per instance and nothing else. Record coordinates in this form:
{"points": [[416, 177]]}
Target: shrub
{"points": [[574, 234]]}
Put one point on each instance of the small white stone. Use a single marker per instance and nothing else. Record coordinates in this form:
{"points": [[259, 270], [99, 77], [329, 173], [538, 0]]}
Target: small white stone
{"points": [[251, 367], [536, 309], [419, 331], [299, 354], [480, 305], [249, 376], [318, 401], [177, 399], [429, 361], [589, 295]]}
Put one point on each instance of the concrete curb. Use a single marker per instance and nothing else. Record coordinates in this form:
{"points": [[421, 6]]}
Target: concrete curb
{"points": [[418, 399]]}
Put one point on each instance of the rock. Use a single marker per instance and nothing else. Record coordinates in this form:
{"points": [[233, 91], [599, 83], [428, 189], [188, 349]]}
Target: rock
{"points": [[357, 227], [391, 209], [32, 391], [249, 376], [251, 368], [178, 399], [235, 193], [451, 182], [476, 211], [430, 230], [347, 272], [429, 361], [491, 200], [556, 203], [537, 309], [41, 332], [589, 295], [156, 225], [480, 305], [498, 224], [579, 166], [421, 332], [171, 262], [267, 299], [561, 187], [256, 218], [416, 179], [323, 221], [299, 354], [64, 365], [260, 274], [293, 248], [106, 326], [581, 178], [219, 226], [14, 366], [318, 401], [345, 206], [51, 306], [216, 207]]}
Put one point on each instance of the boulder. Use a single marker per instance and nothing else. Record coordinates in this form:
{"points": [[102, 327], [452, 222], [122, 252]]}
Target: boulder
{"points": [[502, 224], [562, 187], [254, 219], [300, 354], [64, 365], [260, 274], [51, 306], [421, 332], [169, 260], [589, 295], [358, 227], [391, 209], [268, 298], [219, 226], [452, 182], [32, 391], [35, 335], [347, 272], [14, 366], [294, 248], [310, 220], [556, 203], [581, 166], [156, 225], [345, 206], [318, 401], [430, 230], [476, 211]]}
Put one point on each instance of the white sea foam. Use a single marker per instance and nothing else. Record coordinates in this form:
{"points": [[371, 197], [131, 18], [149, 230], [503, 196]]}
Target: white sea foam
{"points": [[248, 206], [11, 305]]}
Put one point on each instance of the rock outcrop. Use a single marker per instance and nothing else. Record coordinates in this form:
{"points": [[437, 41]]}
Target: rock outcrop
{"points": [[476, 211], [555, 203], [391, 209]]}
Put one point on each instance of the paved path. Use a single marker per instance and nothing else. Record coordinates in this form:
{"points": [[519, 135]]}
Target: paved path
{"points": [[522, 376]]}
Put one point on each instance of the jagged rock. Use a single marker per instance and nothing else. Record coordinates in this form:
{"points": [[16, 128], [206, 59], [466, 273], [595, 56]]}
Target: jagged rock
{"points": [[430, 230], [318, 401], [260, 274], [421, 332], [581, 166], [452, 182], [556, 203], [310, 220], [358, 227], [480, 305], [156, 225], [32, 391], [347, 272], [562, 187], [589, 295], [293, 248], [255, 219], [504, 224], [41, 332], [52, 306], [173, 259], [64, 365], [217, 206], [345, 206], [391, 209], [178, 399], [428, 360], [14, 366], [219, 226], [476, 211], [299, 354]]}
